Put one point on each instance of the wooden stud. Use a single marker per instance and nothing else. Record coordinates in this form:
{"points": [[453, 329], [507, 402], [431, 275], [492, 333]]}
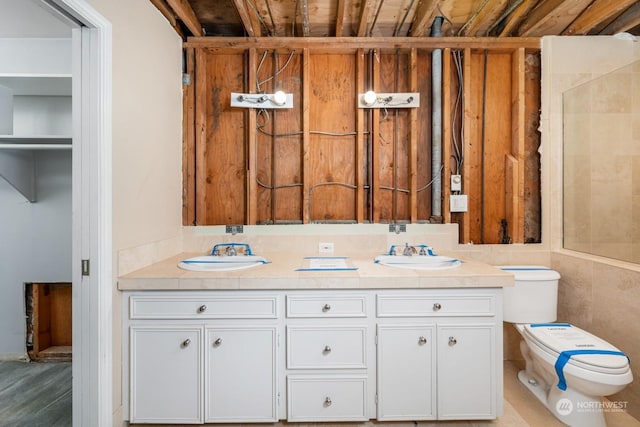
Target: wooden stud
{"points": [[245, 17], [340, 18], [517, 146], [360, 152], [413, 139], [306, 138], [252, 139], [469, 125], [375, 140], [200, 136], [423, 18], [188, 145], [626, 21]]}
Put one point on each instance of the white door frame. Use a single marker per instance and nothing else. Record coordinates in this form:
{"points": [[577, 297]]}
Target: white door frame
{"points": [[91, 215]]}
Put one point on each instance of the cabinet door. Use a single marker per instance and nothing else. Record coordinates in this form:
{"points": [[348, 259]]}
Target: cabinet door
{"points": [[466, 371], [241, 377], [166, 374], [406, 368]]}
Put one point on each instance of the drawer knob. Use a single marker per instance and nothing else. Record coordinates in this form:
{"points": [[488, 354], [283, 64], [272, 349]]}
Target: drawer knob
{"points": [[202, 308], [422, 340], [327, 401], [453, 341], [217, 341], [186, 343], [326, 307], [436, 306], [327, 349]]}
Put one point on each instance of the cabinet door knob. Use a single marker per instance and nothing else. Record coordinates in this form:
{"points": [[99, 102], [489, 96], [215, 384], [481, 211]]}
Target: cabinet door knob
{"points": [[217, 341], [327, 401], [453, 341], [422, 340], [327, 349], [436, 306], [186, 342], [202, 308], [326, 307]]}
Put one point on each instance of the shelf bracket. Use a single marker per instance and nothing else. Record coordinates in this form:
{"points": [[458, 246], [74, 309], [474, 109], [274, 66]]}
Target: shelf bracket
{"points": [[18, 169]]}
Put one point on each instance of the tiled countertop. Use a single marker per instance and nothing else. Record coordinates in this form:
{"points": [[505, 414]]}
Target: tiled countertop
{"points": [[281, 273]]}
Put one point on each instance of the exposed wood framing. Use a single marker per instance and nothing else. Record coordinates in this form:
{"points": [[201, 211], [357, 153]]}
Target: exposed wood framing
{"points": [[252, 138], [598, 11], [374, 138], [166, 11], [326, 160], [340, 18], [360, 152], [365, 11], [245, 17], [423, 17], [183, 10], [304, 11], [551, 17], [468, 165], [481, 20], [516, 160], [306, 137], [517, 16], [628, 20], [188, 149], [413, 139], [352, 44]]}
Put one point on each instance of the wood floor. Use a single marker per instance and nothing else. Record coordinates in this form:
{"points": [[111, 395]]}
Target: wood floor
{"points": [[35, 394]]}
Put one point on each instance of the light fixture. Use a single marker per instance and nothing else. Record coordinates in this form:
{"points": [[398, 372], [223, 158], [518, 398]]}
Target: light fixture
{"points": [[278, 99], [371, 99]]}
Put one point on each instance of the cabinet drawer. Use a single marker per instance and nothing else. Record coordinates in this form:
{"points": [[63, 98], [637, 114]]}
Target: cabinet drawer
{"points": [[326, 306], [202, 307], [430, 305], [326, 347], [326, 398]]}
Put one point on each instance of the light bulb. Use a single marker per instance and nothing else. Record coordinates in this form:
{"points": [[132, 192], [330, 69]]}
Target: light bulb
{"points": [[369, 98], [279, 98]]}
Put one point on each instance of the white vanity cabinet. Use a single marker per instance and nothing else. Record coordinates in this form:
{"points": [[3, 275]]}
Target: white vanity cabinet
{"points": [[328, 346], [327, 355], [166, 374], [198, 357], [439, 354]]}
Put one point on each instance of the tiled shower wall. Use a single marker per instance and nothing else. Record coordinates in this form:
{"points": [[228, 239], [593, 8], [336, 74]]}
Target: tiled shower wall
{"points": [[602, 165]]}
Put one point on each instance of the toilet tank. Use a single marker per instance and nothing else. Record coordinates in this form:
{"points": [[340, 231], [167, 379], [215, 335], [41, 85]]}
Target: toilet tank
{"points": [[534, 297]]}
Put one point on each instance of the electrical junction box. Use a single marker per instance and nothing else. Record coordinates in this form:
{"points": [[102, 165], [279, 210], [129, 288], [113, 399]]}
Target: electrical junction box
{"points": [[456, 183], [458, 203]]}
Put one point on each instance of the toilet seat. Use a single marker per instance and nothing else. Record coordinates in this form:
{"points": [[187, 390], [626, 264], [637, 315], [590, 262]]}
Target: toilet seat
{"points": [[563, 338]]}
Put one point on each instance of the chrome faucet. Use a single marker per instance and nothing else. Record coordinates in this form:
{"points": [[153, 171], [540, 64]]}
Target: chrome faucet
{"points": [[409, 250], [231, 251]]}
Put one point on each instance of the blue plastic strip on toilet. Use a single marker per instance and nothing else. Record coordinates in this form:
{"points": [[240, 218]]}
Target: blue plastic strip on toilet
{"points": [[566, 355], [541, 325]]}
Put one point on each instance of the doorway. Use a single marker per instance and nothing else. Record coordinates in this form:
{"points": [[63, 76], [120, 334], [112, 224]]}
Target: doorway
{"points": [[91, 253]]}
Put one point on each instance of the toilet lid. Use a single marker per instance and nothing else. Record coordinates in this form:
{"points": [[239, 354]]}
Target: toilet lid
{"points": [[564, 337]]}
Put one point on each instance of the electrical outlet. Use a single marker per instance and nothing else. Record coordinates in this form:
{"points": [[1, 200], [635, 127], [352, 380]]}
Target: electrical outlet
{"points": [[458, 203], [325, 248]]}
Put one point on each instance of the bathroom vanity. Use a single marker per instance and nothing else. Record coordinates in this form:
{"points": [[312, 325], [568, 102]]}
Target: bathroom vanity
{"points": [[273, 343]]}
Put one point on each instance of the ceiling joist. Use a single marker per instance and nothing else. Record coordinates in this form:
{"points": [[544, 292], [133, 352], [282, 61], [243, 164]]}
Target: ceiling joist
{"points": [[598, 11], [183, 10]]}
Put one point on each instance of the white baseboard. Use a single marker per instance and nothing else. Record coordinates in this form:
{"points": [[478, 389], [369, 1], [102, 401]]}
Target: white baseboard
{"points": [[22, 357]]}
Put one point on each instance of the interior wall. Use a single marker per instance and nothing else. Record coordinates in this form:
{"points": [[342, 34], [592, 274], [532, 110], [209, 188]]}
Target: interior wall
{"points": [[147, 142], [36, 243], [598, 294]]}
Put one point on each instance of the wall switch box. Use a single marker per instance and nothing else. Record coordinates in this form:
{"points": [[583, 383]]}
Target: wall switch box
{"points": [[458, 203], [456, 182], [325, 248]]}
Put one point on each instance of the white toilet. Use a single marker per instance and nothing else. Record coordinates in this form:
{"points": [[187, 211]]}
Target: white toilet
{"points": [[568, 369]]}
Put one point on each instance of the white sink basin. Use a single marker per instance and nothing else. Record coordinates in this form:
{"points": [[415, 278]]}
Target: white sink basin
{"points": [[419, 262], [213, 263]]}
